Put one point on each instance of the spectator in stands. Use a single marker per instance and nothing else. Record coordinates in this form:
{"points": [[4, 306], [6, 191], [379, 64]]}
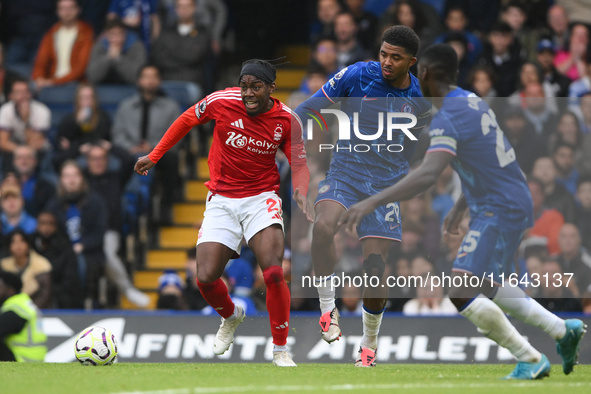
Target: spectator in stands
{"points": [[83, 215], [563, 156], [582, 85], [417, 15], [110, 184], [116, 56], [56, 247], [349, 49], [23, 121], [37, 190], [558, 24], [539, 109], [531, 73], [583, 112], [567, 131], [181, 52], [13, 214], [87, 124], [33, 269], [366, 22], [515, 14], [140, 122], [572, 62], [573, 258], [583, 215], [7, 77], [65, 48], [554, 295], [481, 81], [547, 221], [140, 16], [314, 79], [456, 22], [527, 144], [502, 52], [326, 12], [556, 195], [170, 291], [559, 83], [459, 43], [324, 56]]}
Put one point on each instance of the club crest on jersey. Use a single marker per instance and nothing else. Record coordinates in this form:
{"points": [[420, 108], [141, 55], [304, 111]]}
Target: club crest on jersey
{"points": [[278, 133], [324, 189], [200, 109], [407, 108]]}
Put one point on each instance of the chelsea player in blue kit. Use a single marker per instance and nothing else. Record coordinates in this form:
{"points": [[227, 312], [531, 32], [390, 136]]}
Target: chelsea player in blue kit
{"points": [[465, 133], [366, 91]]}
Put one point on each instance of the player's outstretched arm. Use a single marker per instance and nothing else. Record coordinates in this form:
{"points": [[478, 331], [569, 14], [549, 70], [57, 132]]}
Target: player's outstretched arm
{"points": [[143, 164], [414, 183]]}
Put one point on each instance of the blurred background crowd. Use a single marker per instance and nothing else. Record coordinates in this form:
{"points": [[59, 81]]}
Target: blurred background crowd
{"points": [[88, 86]]}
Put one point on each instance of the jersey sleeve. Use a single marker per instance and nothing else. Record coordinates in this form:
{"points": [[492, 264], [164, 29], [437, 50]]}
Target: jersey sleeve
{"points": [[197, 114], [444, 137], [293, 147]]}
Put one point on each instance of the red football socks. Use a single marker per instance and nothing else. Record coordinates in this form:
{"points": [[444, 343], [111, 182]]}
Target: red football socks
{"points": [[278, 303], [217, 296]]}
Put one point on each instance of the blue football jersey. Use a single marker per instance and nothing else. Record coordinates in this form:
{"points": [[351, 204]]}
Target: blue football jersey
{"points": [[491, 178], [366, 99]]}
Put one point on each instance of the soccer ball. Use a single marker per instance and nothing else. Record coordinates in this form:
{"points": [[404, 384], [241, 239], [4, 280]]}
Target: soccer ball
{"points": [[96, 346]]}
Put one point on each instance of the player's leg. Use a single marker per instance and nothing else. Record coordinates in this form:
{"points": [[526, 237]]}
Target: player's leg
{"points": [[219, 240], [567, 333], [263, 230], [375, 253], [268, 247], [212, 258], [483, 253], [324, 261]]}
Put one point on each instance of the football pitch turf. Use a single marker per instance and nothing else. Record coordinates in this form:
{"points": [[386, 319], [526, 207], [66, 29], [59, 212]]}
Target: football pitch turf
{"points": [[197, 378]]}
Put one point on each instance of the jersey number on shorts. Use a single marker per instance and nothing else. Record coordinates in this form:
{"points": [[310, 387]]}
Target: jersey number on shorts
{"points": [[272, 207], [395, 211], [489, 120], [471, 241]]}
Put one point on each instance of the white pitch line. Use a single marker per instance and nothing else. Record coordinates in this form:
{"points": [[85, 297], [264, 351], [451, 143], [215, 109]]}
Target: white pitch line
{"points": [[348, 387]]}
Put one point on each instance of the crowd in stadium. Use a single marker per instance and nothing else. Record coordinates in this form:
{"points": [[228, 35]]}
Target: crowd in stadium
{"points": [[87, 87]]}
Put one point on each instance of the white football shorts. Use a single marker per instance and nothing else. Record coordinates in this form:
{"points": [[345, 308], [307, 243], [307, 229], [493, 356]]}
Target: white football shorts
{"points": [[226, 220]]}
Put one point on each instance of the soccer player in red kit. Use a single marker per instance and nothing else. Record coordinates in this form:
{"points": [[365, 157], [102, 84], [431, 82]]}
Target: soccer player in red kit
{"points": [[242, 200]]}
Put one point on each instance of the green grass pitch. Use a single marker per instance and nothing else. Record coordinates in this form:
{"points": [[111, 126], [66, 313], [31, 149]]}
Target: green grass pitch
{"points": [[199, 378]]}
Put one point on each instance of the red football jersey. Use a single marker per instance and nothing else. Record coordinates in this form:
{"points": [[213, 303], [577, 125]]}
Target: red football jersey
{"points": [[242, 157]]}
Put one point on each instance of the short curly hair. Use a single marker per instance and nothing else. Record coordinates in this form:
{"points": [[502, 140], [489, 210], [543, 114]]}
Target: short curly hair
{"points": [[402, 36]]}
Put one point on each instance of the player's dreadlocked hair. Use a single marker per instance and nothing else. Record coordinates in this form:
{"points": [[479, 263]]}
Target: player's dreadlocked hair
{"points": [[443, 61], [402, 36]]}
